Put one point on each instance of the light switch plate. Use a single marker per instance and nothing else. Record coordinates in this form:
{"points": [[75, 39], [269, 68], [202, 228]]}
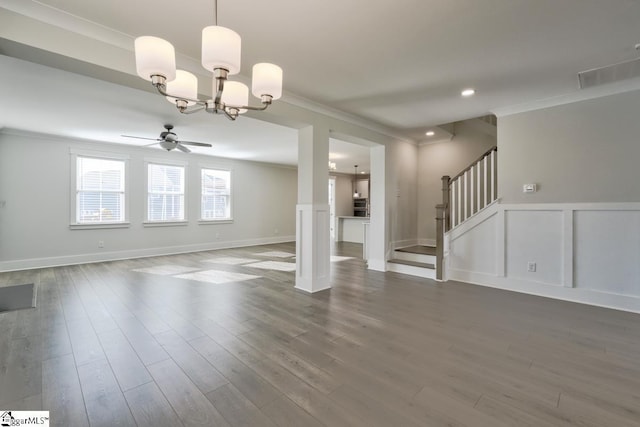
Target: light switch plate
{"points": [[529, 188]]}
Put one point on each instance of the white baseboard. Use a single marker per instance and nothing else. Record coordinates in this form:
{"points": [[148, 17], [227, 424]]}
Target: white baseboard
{"points": [[412, 242], [403, 243], [306, 290], [411, 270], [583, 296], [427, 242], [32, 263], [377, 265]]}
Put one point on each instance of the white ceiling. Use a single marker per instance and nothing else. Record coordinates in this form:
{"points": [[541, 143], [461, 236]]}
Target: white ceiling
{"points": [[401, 64]]}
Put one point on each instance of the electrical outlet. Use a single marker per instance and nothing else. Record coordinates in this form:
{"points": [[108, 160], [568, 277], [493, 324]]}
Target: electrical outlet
{"points": [[101, 243], [531, 267], [217, 235], [276, 231]]}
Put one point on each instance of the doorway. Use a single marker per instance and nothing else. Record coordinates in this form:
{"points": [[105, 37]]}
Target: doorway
{"points": [[332, 208]]}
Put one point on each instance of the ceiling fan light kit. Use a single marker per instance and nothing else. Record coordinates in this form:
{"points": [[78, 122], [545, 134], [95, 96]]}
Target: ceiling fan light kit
{"points": [[168, 140], [221, 51]]}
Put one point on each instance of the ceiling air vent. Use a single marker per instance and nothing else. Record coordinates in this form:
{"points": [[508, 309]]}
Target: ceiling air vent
{"points": [[609, 74]]}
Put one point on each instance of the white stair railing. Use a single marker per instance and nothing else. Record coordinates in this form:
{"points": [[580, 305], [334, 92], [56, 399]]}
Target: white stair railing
{"points": [[471, 190], [464, 195]]}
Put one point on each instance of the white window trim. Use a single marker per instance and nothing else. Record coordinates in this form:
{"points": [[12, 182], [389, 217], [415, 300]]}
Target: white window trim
{"points": [[229, 220], [215, 221], [74, 153], [165, 162], [164, 223]]}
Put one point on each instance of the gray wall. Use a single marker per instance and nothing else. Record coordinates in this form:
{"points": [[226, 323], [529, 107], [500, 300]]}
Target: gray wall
{"points": [[446, 158], [35, 186], [586, 151], [344, 194], [402, 194]]}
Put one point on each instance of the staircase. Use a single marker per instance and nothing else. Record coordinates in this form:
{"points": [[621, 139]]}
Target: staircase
{"points": [[414, 260], [463, 196]]}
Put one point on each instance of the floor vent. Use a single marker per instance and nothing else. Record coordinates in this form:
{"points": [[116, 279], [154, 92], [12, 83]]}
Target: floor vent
{"points": [[17, 297]]}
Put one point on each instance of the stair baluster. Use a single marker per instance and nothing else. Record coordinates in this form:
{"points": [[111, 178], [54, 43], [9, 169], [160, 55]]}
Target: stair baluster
{"points": [[464, 195]]}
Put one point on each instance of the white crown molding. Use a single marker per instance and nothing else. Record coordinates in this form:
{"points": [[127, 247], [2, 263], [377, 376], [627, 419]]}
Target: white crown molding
{"points": [[73, 23], [570, 98], [435, 141]]}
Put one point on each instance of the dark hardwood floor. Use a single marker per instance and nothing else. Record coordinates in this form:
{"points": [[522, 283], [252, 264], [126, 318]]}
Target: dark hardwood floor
{"points": [[222, 338]]}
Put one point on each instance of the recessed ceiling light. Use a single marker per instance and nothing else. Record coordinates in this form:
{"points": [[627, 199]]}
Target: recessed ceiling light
{"points": [[468, 92], [430, 133], [362, 172]]}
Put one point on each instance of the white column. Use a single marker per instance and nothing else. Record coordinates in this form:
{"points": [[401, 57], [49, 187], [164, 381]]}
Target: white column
{"points": [[312, 211], [378, 230]]}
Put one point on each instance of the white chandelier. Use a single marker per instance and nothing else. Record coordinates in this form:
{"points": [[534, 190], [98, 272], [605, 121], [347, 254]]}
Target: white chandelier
{"points": [[156, 62]]}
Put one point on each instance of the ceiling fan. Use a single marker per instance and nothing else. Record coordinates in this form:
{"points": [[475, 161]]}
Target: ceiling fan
{"points": [[169, 140]]}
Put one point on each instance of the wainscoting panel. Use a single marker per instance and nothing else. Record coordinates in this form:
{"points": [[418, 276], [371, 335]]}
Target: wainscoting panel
{"points": [[607, 251], [475, 250], [586, 252], [534, 237]]}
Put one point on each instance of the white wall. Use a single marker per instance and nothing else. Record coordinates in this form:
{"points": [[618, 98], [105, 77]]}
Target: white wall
{"points": [[35, 186], [445, 158], [581, 152]]}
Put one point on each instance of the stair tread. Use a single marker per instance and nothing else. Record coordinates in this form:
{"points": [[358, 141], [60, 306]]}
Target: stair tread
{"points": [[413, 263], [419, 249]]}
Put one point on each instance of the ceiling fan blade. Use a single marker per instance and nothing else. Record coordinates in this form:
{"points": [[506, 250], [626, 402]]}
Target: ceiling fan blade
{"points": [[199, 144], [182, 148], [140, 137]]}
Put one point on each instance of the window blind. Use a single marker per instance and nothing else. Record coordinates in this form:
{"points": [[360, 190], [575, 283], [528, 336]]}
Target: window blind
{"points": [[165, 193], [100, 190], [216, 195]]}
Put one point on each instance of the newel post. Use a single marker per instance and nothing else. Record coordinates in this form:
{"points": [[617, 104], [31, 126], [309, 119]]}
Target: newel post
{"points": [[446, 181], [440, 219]]}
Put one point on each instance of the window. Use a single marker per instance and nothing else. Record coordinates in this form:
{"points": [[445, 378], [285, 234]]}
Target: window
{"points": [[216, 195], [100, 190], [165, 193]]}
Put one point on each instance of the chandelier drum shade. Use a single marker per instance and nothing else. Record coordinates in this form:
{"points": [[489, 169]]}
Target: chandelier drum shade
{"points": [[221, 49], [221, 52]]}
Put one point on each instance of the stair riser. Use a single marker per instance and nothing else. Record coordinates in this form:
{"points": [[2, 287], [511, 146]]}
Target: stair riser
{"points": [[408, 256], [427, 273]]}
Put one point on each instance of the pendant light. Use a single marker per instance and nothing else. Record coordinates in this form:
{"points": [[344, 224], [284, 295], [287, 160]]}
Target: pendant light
{"points": [[356, 195]]}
